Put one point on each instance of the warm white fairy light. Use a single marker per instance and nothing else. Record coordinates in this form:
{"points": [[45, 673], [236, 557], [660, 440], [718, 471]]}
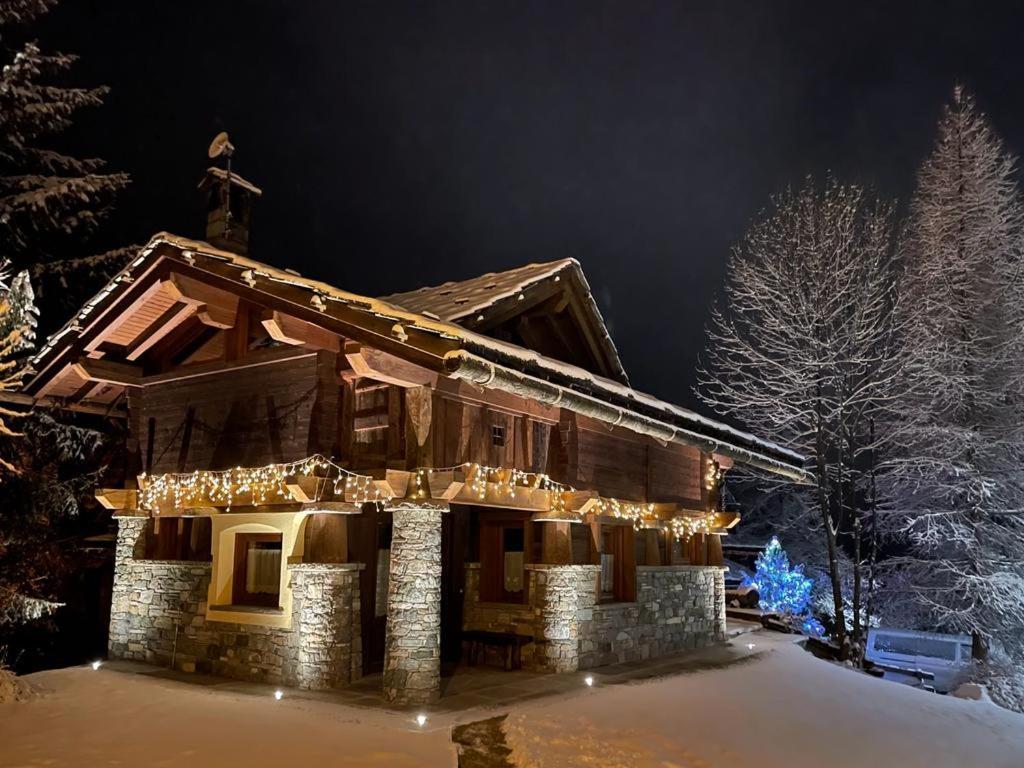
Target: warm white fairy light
{"points": [[421, 719], [507, 481], [589, 680], [278, 695], [640, 514], [257, 484], [714, 476], [96, 665], [684, 528]]}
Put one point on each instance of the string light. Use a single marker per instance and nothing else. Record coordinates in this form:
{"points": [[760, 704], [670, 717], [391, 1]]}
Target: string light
{"points": [[259, 484], [684, 528], [714, 476], [639, 514]]}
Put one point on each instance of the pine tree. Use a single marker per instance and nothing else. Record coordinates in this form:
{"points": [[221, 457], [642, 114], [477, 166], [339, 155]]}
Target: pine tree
{"points": [[781, 587], [50, 201], [952, 483], [18, 318]]}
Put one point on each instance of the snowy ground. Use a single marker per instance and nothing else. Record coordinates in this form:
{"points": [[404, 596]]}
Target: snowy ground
{"points": [[109, 718], [782, 708]]}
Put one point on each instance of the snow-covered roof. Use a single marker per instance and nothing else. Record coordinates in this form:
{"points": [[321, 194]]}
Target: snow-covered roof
{"points": [[466, 300], [455, 300], [712, 435]]}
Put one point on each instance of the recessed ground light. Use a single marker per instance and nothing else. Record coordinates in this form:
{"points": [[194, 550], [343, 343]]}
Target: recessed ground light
{"points": [[421, 720], [278, 695], [589, 680]]}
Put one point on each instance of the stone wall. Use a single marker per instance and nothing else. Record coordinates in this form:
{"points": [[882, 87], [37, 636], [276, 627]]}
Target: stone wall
{"points": [[158, 614], [412, 651], [679, 607]]}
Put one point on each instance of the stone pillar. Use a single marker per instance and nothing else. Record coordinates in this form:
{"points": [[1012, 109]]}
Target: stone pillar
{"points": [[325, 635], [563, 591], [129, 538], [412, 656]]}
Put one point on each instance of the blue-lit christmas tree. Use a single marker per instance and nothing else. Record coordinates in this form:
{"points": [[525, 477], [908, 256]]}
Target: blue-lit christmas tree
{"points": [[781, 587]]}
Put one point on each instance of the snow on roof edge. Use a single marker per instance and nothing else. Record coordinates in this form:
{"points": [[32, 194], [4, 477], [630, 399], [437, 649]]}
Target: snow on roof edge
{"points": [[381, 308]]}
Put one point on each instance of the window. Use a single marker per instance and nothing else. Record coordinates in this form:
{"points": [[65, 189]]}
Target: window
{"points": [[504, 547], [498, 436], [257, 575]]}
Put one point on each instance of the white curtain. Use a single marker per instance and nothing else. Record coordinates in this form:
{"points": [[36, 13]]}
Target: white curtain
{"points": [[513, 571], [263, 571], [607, 573]]}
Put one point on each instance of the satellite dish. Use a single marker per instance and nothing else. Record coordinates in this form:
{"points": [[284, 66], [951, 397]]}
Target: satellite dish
{"points": [[221, 145]]}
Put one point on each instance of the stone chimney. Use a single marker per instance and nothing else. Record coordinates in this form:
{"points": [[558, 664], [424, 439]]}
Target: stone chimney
{"points": [[228, 209]]}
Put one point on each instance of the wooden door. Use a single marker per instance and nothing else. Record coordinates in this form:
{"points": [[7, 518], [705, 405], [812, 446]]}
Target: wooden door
{"points": [[454, 528], [370, 544]]}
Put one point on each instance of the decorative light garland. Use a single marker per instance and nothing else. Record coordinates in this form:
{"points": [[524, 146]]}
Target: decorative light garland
{"points": [[508, 481], [638, 513], [714, 476], [261, 484], [684, 528]]}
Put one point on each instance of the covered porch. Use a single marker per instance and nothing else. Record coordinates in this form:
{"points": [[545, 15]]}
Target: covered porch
{"points": [[384, 573]]}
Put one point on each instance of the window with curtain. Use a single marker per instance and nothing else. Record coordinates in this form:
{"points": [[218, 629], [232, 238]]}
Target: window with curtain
{"points": [[257, 573], [503, 557], [617, 580]]}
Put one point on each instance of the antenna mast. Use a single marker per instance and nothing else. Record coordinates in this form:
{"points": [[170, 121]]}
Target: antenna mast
{"points": [[221, 146]]}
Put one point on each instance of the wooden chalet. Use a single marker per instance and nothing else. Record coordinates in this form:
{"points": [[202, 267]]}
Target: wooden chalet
{"points": [[327, 485]]}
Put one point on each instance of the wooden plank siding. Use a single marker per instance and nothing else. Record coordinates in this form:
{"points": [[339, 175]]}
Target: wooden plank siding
{"points": [[251, 417], [287, 410]]}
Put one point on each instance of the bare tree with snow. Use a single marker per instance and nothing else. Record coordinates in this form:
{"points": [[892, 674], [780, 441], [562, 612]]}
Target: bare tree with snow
{"points": [[802, 351], [953, 485]]}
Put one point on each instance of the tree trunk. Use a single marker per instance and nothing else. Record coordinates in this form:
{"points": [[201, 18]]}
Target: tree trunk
{"points": [[833, 559]]}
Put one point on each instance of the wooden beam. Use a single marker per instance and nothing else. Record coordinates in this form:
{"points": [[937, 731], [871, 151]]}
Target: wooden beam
{"points": [[290, 330], [108, 371], [374, 364], [214, 307], [332, 507], [118, 498], [216, 317]]}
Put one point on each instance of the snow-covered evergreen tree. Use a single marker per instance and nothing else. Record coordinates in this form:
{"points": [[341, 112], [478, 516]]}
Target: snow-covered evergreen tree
{"points": [[49, 200], [803, 350], [954, 487], [18, 315], [780, 586]]}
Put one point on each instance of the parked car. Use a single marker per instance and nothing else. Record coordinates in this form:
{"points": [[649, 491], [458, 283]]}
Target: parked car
{"points": [[924, 659]]}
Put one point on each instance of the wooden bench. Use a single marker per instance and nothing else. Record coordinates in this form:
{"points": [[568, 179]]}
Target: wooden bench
{"points": [[512, 644]]}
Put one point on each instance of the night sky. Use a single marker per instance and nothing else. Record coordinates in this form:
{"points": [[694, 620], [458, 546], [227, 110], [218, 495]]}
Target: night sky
{"points": [[408, 144]]}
